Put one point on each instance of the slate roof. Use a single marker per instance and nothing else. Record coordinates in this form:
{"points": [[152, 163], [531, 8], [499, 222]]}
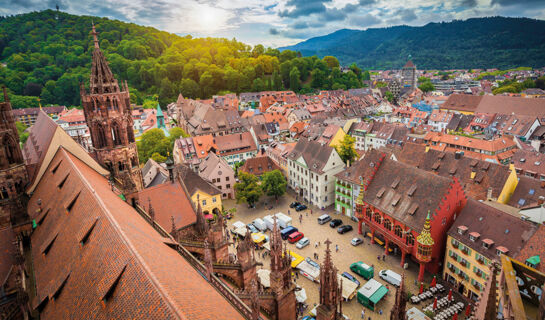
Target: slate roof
{"points": [[533, 162], [486, 174], [459, 121], [508, 105], [429, 191], [41, 134], [361, 168], [488, 222], [314, 153], [99, 259], [527, 192], [259, 165], [194, 182]]}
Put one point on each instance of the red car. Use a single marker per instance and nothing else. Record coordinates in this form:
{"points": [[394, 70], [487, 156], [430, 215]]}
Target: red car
{"points": [[296, 236]]}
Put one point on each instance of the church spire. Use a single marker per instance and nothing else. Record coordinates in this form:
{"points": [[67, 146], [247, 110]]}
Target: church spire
{"points": [[398, 311], [485, 308], [102, 78], [95, 38]]}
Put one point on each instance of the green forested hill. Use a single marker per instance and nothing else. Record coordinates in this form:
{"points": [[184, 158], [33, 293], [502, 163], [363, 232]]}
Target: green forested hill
{"points": [[47, 54], [495, 42]]}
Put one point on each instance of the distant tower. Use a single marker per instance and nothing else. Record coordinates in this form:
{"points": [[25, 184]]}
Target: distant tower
{"points": [[160, 118], [395, 88], [281, 283], [425, 245], [107, 111], [408, 73], [13, 173], [330, 294]]}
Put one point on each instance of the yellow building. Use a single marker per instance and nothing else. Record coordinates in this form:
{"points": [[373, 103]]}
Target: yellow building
{"points": [[472, 245], [510, 186], [201, 191], [337, 138]]}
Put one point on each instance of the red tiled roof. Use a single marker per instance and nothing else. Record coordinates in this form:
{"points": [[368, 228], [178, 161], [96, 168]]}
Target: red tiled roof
{"points": [[102, 247], [535, 246], [259, 165]]}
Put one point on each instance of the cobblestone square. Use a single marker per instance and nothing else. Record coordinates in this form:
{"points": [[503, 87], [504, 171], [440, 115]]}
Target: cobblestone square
{"points": [[342, 259]]}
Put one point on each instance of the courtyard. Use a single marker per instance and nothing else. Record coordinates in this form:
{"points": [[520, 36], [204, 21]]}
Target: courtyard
{"points": [[342, 259]]}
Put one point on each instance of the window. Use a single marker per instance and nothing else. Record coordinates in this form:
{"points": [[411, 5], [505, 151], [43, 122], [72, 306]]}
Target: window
{"points": [[326, 174], [325, 188], [204, 202], [218, 179], [398, 231], [228, 186], [226, 178], [214, 200]]}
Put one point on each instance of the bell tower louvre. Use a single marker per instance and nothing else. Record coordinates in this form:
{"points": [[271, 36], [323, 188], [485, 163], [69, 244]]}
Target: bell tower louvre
{"points": [[107, 110]]}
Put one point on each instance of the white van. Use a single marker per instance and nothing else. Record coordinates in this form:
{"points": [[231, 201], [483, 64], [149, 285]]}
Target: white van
{"points": [[260, 224], [283, 220], [269, 221], [323, 218], [390, 277]]}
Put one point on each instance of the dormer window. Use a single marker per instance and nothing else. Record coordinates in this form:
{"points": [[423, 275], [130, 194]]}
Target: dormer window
{"points": [[462, 229], [487, 243], [474, 236], [501, 250]]}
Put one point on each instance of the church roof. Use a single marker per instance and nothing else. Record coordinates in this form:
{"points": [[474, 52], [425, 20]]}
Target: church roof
{"points": [[98, 258], [409, 64]]}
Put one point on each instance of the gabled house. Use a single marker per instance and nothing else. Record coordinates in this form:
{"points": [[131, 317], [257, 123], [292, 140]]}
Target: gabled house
{"points": [[312, 168], [216, 170]]}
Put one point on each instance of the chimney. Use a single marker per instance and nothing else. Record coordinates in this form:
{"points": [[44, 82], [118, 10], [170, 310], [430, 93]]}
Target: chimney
{"points": [[457, 155]]}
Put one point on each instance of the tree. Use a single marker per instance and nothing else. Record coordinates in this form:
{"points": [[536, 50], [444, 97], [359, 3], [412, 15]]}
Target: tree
{"points": [[427, 86], [295, 83], [273, 183], [389, 96], [248, 189], [365, 75], [331, 62], [157, 157], [346, 149], [152, 141], [189, 88], [21, 127]]}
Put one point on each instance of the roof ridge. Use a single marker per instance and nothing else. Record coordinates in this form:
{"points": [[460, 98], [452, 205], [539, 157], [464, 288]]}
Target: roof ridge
{"points": [[124, 238]]}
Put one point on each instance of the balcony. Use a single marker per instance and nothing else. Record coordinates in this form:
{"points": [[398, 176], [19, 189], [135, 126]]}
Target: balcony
{"points": [[465, 251], [479, 273], [480, 260], [463, 264]]}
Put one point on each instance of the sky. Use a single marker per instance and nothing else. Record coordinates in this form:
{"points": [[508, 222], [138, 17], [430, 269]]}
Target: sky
{"points": [[278, 23]]}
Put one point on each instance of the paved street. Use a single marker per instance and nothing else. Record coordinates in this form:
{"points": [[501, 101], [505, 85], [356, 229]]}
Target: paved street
{"points": [[347, 253]]}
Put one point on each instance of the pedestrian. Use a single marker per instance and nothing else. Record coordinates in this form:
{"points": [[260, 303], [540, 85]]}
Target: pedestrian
{"points": [[380, 312], [318, 243], [383, 257], [307, 213], [289, 214], [317, 257], [336, 248], [363, 314], [310, 211], [315, 244], [369, 318], [297, 275]]}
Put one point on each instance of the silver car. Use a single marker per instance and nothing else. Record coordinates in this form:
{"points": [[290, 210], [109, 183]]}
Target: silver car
{"points": [[302, 243], [356, 241]]}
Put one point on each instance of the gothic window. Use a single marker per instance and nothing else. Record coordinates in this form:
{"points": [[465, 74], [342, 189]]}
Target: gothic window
{"points": [[116, 134], [100, 137], [4, 194], [130, 133], [378, 218], [409, 239], [115, 104], [134, 163], [10, 149], [424, 250], [108, 103], [120, 166], [388, 224], [398, 231]]}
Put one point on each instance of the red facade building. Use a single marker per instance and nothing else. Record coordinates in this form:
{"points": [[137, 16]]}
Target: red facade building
{"points": [[411, 209]]}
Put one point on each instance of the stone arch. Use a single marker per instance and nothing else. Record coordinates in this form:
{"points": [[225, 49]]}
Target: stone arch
{"points": [[100, 136], [116, 134], [120, 166], [130, 133], [11, 149]]}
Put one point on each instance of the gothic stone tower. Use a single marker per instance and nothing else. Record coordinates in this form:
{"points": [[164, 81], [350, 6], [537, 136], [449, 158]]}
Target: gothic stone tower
{"points": [[13, 173], [281, 282], [107, 111], [330, 292]]}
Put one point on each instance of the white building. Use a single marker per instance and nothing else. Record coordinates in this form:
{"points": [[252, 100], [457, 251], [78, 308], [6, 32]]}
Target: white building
{"points": [[312, 168]]}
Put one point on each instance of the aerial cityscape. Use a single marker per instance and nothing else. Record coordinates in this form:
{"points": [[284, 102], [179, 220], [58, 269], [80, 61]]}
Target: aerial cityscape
{"points": [[275, 159]]}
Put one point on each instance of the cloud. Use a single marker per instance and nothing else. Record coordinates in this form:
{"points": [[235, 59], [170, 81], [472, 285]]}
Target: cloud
{"points": [[299, 25], [333, 15], [302, 8], [407, 15], [507, 3], [364, 21], [274, 31]]}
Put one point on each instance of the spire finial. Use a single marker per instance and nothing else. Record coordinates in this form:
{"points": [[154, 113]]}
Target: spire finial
{"points": [[95, 38]]}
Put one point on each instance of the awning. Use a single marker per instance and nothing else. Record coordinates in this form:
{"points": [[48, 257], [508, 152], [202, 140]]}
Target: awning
{"points": [[301, 295], [258, 237], [379, 294]]}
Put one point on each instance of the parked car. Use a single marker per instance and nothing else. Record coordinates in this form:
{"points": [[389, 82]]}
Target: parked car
{"points": [[294, 204], [364, 270], [285, 233], [252, 228], [335, 223], [296, 236], [323, 218], [260, 224], [312, 262], [350, 277], [302, 243], [390, 277], [308, 318], [300, 207], [344, 229], [356, 241]]}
